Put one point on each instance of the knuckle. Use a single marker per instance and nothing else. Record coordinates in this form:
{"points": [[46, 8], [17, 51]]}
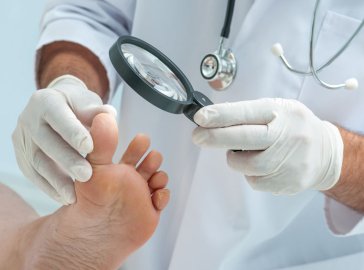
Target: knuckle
{"points": [[36, 160], [15, 137], [41, 97], [44, 101], [92, 97], [49, 101], [74, 132], [20, 158], [70, 160], [21, 144], [37, 96]]}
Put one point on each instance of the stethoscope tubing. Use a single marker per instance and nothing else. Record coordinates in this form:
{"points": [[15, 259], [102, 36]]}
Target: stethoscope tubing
{"points": [[313, 71]]}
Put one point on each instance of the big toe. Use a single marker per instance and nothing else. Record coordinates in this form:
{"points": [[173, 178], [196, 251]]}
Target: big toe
{"points": [[104, 132]]}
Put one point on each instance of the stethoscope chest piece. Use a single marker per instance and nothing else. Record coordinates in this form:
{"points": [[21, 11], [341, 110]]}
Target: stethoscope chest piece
{"points": [[219, 69]]}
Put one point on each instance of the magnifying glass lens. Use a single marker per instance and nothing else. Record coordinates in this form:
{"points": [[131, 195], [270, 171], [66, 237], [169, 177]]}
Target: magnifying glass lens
{"points": [[154, 72]]}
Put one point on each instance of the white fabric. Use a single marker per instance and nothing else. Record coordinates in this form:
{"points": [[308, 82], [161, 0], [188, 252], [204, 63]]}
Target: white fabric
{"points": [[51, 136], [215, 220], [286, 148], [343, 220]]}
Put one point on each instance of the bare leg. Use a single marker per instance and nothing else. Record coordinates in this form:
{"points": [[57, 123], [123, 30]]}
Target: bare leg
{"points": [[15, 209], [116, 211], [14, 214]]}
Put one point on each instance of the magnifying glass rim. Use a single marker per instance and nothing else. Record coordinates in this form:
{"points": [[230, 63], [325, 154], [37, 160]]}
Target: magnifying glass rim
{"points": [[139, 84]]}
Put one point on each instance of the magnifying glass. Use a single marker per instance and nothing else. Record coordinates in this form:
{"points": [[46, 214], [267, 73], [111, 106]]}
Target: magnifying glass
{"points": [[155, 77]]}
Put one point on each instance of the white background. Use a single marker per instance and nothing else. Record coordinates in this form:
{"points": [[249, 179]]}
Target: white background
{"points": [[19, 27]]}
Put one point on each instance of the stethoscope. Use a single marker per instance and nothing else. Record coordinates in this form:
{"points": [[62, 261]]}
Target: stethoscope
{"points": [[219, 68], [153, 76]]}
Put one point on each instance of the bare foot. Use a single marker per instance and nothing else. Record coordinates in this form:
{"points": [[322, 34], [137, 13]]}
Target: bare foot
{"points": [[116, 212]]}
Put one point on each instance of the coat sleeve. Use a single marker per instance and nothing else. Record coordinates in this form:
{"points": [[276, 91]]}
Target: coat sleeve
{"points": [[343, 220], [95, 24]]}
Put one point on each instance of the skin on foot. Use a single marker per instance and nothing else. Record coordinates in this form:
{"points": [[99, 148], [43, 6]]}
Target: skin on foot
{"points": [[116, 211]]}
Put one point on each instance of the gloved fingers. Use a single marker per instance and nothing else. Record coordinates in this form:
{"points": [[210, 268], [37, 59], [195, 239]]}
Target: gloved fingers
{"points": [[251, 112], [67, 81], [63, 120], [150, 164], [48, 169], [37, 179], [63, 154], [264, 174], [43, 184], [136, 150], [268, 184], [251, 163], [242, 137]]}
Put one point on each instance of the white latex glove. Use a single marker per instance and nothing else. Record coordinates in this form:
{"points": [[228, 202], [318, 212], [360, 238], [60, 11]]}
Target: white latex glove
{"points": [[52, 137], [286, 148]]}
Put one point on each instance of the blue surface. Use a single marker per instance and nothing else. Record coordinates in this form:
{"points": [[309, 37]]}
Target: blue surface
{"points": [[19, 26]]}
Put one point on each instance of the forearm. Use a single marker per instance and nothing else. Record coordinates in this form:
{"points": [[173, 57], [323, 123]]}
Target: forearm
{"points": [[60, 58], [350, 188]]}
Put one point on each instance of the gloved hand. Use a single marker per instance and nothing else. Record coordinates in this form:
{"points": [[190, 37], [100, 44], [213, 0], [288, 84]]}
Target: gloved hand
{"points": [[52, 137], [286, 148]]}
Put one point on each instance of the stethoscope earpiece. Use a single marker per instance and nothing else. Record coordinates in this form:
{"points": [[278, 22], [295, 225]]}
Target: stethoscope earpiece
{"points": [[350, 84], [219, 68], [277, 49]]}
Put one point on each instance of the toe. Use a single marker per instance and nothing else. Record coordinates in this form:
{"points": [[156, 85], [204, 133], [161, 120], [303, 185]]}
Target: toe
{"points": [[160, 199], [104, 132], [150, 164], [159, 180], [136, 150]]}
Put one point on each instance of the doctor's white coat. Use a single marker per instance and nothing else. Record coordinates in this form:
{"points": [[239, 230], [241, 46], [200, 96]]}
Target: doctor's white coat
{"points": [[215, 220]]}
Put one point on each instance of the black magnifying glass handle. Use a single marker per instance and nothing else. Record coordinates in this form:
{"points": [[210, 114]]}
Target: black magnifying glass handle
{"points": [[199, 101]]}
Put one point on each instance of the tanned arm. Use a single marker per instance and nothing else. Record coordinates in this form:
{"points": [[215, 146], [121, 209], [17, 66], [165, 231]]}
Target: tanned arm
{"points": [[60, 58], [350, 188]]}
